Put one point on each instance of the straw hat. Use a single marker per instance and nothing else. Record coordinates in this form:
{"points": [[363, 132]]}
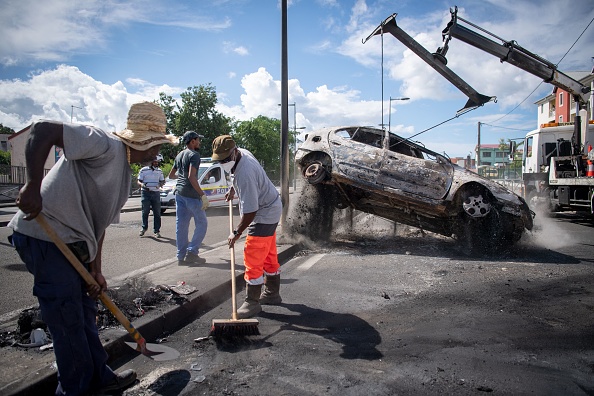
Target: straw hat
{"points": [[146, 127]]}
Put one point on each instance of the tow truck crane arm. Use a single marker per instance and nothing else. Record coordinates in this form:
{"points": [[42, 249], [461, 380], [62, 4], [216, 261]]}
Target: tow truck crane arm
{"points": [[436, 61], [511, 52], [507, 51]]}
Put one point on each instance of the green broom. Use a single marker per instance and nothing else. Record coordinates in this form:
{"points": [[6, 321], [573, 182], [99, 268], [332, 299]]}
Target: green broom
{"points": [[233, 326]]}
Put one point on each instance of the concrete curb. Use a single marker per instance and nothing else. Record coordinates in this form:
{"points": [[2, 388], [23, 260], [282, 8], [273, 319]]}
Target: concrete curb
{"points": [[173, 319]]}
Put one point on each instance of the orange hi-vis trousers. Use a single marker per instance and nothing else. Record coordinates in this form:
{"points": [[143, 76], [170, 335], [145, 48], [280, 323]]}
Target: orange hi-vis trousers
{"points": [[260, 258]]}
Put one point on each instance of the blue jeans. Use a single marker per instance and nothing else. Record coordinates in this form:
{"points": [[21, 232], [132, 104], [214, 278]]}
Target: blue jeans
{"points": [[186, 209], [69, 314], [148, 200]]}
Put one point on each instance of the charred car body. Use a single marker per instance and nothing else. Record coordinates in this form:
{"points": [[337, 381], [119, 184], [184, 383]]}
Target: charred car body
{"points": [[410, 184]]}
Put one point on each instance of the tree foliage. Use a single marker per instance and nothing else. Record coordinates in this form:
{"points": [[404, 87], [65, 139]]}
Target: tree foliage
{"points": [[261, 136], [196, 113], [6, 130]]}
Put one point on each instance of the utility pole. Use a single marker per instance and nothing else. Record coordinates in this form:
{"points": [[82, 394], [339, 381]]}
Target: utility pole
{"points": [[478, 149], [284, 187], [72, 110]]}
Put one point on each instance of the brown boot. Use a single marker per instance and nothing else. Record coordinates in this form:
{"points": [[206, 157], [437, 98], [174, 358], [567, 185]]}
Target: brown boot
{"points": [[251, 305], [270, 295]]}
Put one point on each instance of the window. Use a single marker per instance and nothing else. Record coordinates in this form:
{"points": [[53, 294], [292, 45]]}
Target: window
{"points": [[529, 143], [560, 119], [560, 99], [541, 109], [499, 154], [487, 154]]}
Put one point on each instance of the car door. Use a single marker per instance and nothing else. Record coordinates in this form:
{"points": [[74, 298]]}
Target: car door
{"points": [[355, 154], [411, 170], [215, 183]]}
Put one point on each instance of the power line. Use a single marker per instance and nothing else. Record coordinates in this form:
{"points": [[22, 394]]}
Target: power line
{"points": [[511, 129]]}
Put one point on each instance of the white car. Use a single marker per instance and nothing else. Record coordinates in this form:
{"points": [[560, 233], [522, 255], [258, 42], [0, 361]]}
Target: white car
{"points": [[213, 180]]}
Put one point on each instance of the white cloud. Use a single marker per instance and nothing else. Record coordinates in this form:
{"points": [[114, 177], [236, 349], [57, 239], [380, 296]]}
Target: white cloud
{"points": [[51, 30], [57, 94]]}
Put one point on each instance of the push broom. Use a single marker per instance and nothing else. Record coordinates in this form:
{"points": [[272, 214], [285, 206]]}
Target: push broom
{"points": [[233, 326]]}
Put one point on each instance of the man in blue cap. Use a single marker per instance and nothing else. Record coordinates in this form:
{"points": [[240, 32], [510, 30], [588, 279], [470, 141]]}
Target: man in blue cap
{"points": [[190, 200]]}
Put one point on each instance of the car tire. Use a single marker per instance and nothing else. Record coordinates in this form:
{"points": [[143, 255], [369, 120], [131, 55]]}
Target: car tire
{"points": [[163, 211], [315, 173], [480, 228]]}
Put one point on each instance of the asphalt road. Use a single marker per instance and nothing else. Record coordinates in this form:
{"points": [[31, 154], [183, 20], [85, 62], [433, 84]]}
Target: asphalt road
{"points": [[377, 314], [123, 252]]}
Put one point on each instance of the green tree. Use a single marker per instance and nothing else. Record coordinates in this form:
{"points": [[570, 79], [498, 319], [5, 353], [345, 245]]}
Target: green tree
{"points": [[6, 130], [198, 113], [261, 136], [167, 103]]}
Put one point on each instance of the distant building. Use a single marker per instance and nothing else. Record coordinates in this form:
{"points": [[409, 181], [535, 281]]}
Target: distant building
{"points": [[4, 142], [559, 107], [493, 155], [16, 145]]}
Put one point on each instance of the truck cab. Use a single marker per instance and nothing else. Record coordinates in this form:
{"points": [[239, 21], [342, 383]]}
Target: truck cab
{"points": [[213, 180]]}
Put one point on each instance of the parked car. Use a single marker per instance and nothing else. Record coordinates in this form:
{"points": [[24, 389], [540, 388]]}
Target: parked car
{"points": [[213, 180], [410, 184]]}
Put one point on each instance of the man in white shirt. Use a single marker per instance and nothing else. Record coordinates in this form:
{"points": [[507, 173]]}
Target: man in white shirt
{"points": [[150, 180]]}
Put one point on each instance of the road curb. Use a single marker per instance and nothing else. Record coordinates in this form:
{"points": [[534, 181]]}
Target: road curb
{"points": [[45, 380]]}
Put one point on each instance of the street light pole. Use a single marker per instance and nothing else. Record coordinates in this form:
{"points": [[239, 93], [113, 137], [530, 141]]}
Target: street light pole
{"points": [[72, 110], [387, 133]]}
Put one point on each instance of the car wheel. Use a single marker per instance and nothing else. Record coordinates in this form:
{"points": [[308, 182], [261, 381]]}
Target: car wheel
{"points": [[480, 228], [315, 173]]}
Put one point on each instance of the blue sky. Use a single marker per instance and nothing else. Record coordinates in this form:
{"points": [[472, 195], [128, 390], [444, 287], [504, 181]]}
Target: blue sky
{"points": [[103, 55]]}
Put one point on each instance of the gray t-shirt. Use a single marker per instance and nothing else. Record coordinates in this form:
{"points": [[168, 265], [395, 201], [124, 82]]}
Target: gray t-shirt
{"points": [[255, 190], [182, 164], [85, 190]]}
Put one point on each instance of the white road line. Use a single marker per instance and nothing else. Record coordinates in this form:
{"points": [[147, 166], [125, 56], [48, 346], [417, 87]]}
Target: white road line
{"points": [[310, 262]]}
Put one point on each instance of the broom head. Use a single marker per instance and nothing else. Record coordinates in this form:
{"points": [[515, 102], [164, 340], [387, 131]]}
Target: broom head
{"points": [[230, 327]]}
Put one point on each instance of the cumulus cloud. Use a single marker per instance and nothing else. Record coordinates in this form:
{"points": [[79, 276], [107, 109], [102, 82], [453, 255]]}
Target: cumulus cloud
{"points": [[66, 92]]}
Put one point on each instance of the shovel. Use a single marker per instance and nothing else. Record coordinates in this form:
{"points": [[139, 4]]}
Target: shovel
{"points": [[156, 352]]}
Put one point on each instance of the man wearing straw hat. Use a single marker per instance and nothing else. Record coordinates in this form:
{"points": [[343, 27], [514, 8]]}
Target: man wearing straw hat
{"points": [[78, 200]]}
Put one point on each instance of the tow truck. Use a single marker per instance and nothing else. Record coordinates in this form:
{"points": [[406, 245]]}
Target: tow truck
{"points": [[557, 168]]}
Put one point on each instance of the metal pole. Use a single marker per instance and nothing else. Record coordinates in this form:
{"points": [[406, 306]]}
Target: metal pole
{"points": [[284, 118], [478, 150], [72, 110]]}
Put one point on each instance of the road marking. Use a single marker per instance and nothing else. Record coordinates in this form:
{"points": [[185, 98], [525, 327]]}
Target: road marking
{"points": [[310, 262]]}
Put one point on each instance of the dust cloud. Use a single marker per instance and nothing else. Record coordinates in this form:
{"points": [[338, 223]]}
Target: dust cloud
{"points": [[546, 232]]}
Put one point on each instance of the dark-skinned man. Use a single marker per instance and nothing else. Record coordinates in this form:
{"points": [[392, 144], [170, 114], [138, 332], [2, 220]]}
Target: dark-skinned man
{"points": [[80, 197], [260, 209]]}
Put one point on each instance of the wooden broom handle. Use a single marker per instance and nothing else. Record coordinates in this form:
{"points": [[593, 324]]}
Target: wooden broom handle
{"points": [[88, 278]]}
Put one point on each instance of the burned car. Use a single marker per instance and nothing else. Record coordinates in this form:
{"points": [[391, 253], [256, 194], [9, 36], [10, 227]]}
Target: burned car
{"points": [[409, 184]]}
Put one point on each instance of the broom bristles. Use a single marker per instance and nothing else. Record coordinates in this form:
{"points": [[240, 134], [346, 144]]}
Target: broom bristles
{"points": [[230, 327]]}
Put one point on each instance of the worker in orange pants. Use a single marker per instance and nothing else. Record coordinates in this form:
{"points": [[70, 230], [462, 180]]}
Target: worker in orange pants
{"points": [[260, 209]]}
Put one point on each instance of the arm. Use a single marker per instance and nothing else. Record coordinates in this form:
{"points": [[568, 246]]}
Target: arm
{"points": [[42, 137], [194, 180], [244, 223], [95, 270], [173, 173]]}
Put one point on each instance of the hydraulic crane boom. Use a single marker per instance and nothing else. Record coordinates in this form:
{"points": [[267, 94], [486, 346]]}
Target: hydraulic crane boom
{"points": [[511, 52]]}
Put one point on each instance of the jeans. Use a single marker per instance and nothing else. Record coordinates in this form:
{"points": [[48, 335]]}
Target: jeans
{"points": [[69, 314], [151, 199], [186, 209]]}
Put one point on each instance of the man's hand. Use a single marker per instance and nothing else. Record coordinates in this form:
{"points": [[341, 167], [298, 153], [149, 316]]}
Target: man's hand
{"points": [[231, 239], [30, 201], [205, 202], [94, 291], [230, 195]]}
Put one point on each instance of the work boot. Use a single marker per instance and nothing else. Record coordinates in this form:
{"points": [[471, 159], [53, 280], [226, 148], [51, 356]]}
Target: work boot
{"points": [[270, 295], [122, 380], [251, 306]]}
